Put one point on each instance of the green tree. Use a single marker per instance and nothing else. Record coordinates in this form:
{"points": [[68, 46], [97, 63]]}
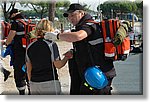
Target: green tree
{"points": [[49, 7], [64, 4], [140, 9], [40, 7], [118, 7]]}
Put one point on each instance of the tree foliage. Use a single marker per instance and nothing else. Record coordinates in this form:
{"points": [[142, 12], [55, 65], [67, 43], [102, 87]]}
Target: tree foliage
{"points": [[48, 8], [64, 4], [6, 8], [118, 7]]}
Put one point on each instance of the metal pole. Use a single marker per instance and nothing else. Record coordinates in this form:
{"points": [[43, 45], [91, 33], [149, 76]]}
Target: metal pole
{"points": [[112, 13], [99, 12], [133, 21], [101, 15]]}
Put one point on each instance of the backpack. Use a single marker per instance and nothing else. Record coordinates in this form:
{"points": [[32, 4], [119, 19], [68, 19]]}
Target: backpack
{"points": [[115, 39], [28, 26], [5, 29]]}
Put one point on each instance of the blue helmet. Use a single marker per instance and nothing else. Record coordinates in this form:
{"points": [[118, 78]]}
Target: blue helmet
{"points": [[95, 77]]}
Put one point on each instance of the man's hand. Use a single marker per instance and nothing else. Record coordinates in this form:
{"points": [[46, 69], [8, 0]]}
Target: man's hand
{"points": [[69, 54]]}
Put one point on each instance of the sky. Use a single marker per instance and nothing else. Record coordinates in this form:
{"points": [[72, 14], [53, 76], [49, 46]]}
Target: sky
{"points": [[93, 3]]}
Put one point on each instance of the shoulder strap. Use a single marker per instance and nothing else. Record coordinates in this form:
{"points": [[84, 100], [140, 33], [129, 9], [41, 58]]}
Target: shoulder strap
{"points": [[25, 25], [92, 21]]}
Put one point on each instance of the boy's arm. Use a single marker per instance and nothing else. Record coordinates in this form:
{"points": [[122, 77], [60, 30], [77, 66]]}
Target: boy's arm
{"points": [[60, 63], [29, 69]]}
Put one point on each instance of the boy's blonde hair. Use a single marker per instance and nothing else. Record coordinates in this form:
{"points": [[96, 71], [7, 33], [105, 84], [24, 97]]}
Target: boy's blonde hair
{"points": [[43, 26]]}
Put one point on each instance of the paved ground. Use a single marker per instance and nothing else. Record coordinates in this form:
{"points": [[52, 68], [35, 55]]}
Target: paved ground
{"points": [[128, 80]]}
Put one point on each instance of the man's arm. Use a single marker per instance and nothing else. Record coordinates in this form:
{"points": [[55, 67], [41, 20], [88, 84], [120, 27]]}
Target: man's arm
{"points": [[10, 37], [73, 36]]}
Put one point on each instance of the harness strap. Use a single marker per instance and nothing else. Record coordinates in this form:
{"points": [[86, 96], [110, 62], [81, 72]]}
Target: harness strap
{"points": [[25, 25], [103, 29]]}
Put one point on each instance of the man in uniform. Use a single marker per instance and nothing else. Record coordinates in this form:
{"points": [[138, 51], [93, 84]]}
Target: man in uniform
{"points": [[88, 50], [15, 39]]}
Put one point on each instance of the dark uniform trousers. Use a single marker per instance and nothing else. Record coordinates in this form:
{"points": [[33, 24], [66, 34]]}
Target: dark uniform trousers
{"points": [[19, 75]]}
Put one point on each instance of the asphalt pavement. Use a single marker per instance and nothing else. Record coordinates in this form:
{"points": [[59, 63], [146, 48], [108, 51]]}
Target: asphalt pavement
{"points": [[129, 79]]}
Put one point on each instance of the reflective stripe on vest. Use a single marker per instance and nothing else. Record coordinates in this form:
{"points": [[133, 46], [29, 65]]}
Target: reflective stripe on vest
{"points": [[109, 54], [95, 42], [110, 50], [20, 33], [21, 88], [24, 42], [126, 51]]}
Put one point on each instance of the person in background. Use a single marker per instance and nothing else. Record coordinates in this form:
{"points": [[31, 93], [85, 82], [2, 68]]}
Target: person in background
{"points": [[42, 59], [15, 39], [87, 49]]}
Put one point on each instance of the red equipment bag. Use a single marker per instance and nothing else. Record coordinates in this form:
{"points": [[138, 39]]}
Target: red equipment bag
{"points": [[108, 29], [28, 26]]}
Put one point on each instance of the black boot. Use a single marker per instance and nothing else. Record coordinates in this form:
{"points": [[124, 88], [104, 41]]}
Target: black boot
{"points": [[21, 92]]}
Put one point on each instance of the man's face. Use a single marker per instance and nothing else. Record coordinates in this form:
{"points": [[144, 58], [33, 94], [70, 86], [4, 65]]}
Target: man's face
{"points": [[75, 17]]}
